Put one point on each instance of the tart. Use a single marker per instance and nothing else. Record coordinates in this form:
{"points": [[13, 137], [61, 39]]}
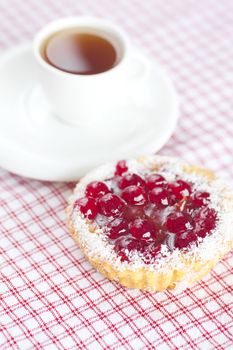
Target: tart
{"points": [[152, 223]]}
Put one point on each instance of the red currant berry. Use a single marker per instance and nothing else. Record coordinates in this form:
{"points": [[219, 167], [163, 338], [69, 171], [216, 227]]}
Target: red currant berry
{"points": [[205, 220], [185, 239], [179, 222], [117, 228], [121, 168], [179, 189], [134, 195], [110, 205], [96, 189], [87, 207], [129, 180], [160, 196], [125, 245], [154, 180], [142, 229], [200, 199]]}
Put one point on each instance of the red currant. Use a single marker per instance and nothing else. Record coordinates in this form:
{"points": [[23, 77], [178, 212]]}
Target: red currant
{"points": [[134, 195], [125, 245], [117, 228], [129, 180], [154, 180], [179, 222], [121, 168], [87, 207], [200, 199], [179, 189], [185, 239], [205, 220], [142, 229], [96, 189], [160, 196], [110, 205]]}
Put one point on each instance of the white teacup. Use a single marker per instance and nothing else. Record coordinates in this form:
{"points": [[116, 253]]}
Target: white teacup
{"points": [[89, 99]]}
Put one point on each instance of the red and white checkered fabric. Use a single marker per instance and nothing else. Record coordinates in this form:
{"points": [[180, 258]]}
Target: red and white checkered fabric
{"points": [[51, 298]]}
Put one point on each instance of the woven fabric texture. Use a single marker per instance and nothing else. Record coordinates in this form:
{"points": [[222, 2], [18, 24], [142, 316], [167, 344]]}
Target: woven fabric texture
{"points": [[51, 298]]}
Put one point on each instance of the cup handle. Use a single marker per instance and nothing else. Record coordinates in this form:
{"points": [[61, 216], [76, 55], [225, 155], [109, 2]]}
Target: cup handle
{"points": [[139, 66], [139, 72]]}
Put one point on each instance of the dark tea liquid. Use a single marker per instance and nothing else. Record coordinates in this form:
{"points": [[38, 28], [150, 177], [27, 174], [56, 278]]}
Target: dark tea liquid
{"points": [[79, 53]]}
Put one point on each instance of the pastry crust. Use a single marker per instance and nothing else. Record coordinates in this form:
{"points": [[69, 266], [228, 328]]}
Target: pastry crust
{"points": [[180, 268]]}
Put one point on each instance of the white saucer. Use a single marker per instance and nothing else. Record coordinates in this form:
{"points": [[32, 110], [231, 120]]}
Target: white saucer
{"points": [[36, 144]]}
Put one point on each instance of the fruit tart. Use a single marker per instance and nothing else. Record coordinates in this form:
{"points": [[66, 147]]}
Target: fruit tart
{"points": [[152, 223]]}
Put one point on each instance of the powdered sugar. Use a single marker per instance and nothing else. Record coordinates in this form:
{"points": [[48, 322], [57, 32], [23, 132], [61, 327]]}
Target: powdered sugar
{"points": [[97, 246]]}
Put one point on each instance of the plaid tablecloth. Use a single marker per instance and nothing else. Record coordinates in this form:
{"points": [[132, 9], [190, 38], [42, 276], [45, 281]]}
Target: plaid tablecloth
{"points": [[51, 298]]}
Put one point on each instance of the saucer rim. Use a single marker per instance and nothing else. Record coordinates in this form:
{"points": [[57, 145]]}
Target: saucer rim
{"points": [[14, 159]]}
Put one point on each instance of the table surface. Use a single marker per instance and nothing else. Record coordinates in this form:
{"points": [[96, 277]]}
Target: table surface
{"points": [[51, 298]]}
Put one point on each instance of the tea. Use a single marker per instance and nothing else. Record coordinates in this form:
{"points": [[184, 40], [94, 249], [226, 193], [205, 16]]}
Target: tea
{"points": [[79, 53]]}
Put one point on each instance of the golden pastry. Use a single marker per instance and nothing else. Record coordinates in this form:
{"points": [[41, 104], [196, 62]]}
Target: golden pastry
{"points": [[152, 223]]}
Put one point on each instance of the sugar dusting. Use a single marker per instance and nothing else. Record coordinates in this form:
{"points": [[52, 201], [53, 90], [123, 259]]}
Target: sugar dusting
{"points": [[98, 247]]}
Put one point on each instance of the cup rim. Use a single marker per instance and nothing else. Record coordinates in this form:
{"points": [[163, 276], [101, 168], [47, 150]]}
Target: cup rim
{"points": [[93, 23]]}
